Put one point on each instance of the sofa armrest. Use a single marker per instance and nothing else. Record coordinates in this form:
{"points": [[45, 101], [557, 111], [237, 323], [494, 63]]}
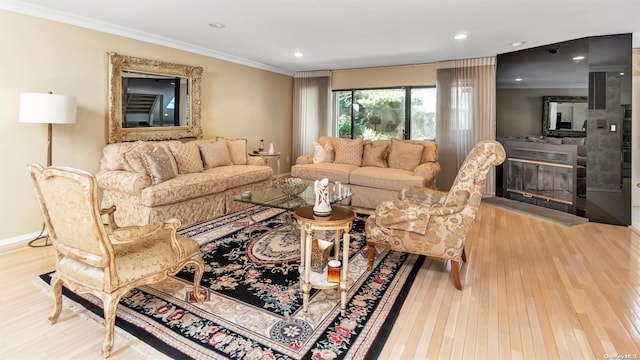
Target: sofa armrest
{"points": [[123, 181], [256, 160], [428, 171], [422, 195], [304, 159]]}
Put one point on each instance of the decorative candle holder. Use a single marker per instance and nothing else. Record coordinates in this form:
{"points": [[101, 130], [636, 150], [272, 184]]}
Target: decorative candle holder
{"points": [[333, 274], [320, 250]]}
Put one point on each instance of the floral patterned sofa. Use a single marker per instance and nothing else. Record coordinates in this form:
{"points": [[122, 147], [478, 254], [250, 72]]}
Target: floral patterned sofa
{"points": [[375, 170], [151, 181]]}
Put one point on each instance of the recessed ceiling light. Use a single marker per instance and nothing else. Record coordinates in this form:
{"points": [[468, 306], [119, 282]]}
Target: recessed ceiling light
{"points": [[217, 25], [517, 43], [460, 36], [621, 74], [298, 54], [518, 79], [576, 58]]}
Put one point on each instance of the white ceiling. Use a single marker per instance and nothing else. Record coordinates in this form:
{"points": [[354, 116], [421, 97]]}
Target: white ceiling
{"points": [[343, 34]]}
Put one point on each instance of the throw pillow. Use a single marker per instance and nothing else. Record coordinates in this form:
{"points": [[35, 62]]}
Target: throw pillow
{"points": [[214, 154], [375, 155], [237, 150], [404, 155], [132, 158], [187, 156], [348, 151], [323, 154], [158, 165], [174, 164]]}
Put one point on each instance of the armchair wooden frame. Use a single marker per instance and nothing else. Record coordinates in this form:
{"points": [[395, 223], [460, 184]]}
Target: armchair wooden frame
{"points": [[95, 258], [431, 222]]}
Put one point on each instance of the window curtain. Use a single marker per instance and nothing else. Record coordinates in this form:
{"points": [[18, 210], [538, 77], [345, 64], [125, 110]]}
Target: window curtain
{"points": [[311, 110], [465, 115]]}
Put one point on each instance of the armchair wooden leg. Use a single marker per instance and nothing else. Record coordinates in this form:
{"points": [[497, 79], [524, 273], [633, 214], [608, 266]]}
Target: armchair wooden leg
{"points": [[198, 266], [455, 274], [110, 303], [56, 291], [371, 255]]}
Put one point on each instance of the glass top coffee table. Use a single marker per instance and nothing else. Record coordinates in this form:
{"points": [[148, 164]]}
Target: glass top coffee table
{"points": [[275, 198]]}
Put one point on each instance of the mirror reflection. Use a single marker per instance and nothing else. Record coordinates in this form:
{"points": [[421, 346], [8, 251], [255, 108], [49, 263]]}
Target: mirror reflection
{"points": [[564, 115], [152, 100]]}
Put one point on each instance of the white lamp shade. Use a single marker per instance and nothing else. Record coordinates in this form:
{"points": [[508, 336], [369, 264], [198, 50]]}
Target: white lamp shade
{"points": [[47, 108]]}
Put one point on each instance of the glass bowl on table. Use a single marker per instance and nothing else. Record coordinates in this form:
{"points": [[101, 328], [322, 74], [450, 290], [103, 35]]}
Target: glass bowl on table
{"points": [[291, 186]]}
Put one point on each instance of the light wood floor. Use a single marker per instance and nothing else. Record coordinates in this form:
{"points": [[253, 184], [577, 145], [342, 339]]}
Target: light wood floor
{"points": [[532, 289]]}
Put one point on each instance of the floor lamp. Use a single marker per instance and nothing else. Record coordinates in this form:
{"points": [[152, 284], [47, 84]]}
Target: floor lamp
{"points": [[47, 109]]}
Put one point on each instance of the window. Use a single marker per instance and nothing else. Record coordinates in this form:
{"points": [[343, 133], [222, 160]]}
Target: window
{"points": [[406, 112]]}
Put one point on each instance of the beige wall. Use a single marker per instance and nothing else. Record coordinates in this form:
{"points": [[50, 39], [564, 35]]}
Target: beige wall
{"points": [[389, 76], [40, 55]]}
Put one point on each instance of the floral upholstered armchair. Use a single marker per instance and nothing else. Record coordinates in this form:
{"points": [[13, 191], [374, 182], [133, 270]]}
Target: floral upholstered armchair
{"points": [[435, 223], [105, 260]]}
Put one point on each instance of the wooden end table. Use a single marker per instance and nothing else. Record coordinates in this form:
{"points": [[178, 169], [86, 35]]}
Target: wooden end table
{"points": [[341, 218]]}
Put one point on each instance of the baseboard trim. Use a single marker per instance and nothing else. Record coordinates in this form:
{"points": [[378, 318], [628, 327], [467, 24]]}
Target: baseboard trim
{"points": [[20, 238]]}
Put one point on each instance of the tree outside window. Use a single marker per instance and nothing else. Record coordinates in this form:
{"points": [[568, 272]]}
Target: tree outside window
{"points": [[375, 114]]}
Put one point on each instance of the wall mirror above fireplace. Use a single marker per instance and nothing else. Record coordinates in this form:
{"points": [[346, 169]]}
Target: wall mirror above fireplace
{"points": [[152, 100], [564, 116]]}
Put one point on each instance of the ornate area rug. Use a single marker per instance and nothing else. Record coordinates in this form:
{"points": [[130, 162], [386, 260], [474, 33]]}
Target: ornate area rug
{"points": [[253, 308]]}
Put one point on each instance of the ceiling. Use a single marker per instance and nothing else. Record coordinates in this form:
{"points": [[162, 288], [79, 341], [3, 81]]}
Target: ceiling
{"points": [[336, 35], [554, 66]]}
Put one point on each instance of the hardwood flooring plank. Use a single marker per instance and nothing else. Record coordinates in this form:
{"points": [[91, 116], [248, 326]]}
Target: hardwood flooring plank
{"points": [[532, 289]]}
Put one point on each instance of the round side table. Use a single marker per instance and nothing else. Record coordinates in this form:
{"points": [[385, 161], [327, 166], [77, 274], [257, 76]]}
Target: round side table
{"points": [[267, 157], [341, 218]]}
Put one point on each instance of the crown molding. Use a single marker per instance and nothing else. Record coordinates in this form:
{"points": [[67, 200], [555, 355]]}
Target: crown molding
{"points": [[84, 22]]}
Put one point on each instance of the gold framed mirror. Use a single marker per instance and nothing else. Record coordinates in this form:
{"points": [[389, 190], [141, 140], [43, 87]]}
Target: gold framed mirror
{"points": [[152, 100]]}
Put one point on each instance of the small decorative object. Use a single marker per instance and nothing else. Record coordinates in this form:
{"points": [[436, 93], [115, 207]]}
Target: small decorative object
{"points": [[261, 146], [320, 250], [333, 274], [337, 188], [291, 186], [271, 149], [246, 194], [321, 206]]}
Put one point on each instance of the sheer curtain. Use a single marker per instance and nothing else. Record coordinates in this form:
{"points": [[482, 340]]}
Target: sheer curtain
{"points": [[311, 110], [465, 115]]}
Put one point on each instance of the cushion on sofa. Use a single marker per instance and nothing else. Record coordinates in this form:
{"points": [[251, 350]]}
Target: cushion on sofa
{"points": [[158, 165], [323, 153], [112, 156], [127, 182], [389, 178], [187, 156], [348, 151], [165, 145], [404, 155], [375, 154], [214, 154], [573, 140], [182, 187], [132, 158], [239, 175], [237, 150], [332, 171]]}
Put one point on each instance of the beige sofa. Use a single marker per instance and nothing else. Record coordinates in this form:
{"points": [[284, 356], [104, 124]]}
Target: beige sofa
{"points": [[192, 181], [375, 170]]}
